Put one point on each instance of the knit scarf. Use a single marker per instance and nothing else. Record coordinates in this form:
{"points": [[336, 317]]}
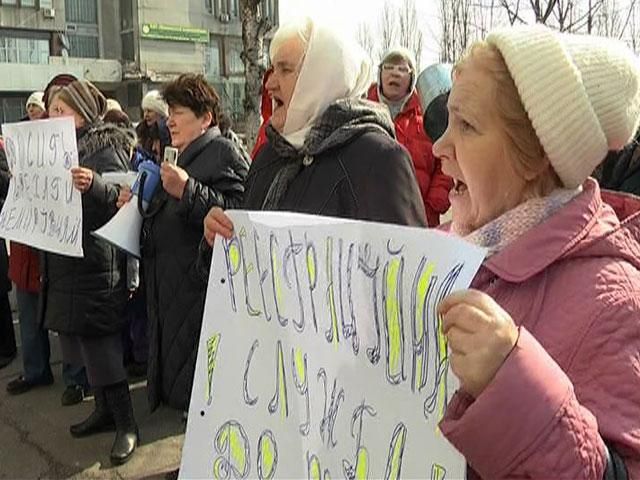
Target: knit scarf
{"points": [[342, 121], [497, 234]]}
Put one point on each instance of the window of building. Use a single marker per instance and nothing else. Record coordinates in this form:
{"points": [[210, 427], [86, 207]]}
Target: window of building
{"points": [[233, 8], [237, 100], [126, 15], [81, 11], [268, 10], [24, 50], [27, 3], [233, 52], [208, 5], [212, 63], [9, 2], [12, 109], [84, 46], [128, 47]]}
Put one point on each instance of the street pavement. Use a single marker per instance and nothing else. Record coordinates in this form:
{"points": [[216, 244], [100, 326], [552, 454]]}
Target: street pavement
{"points": [[35, 440]]}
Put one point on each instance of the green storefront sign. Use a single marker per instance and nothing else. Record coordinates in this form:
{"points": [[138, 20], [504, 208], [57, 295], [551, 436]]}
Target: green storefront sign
{"points": [[171, 32]]}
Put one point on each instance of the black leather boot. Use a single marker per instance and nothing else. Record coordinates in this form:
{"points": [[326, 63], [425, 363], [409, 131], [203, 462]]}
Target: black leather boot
{"points": [[126, 441], [99, 421]]}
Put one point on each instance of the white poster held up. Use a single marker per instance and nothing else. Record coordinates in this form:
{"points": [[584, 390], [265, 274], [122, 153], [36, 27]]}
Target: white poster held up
{"points": [[321, 354], [42, 209]]}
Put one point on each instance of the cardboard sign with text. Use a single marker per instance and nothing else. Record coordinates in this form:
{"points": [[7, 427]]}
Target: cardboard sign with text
{"points": [[321, 354], [42, 208]]}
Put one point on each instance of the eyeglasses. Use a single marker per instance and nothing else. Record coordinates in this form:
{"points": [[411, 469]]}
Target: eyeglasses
{"points": [[401, 69]]}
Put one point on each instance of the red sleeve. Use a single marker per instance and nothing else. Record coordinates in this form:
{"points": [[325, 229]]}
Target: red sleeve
{"points": [[439, 188], [533, 421], [260, 141]]}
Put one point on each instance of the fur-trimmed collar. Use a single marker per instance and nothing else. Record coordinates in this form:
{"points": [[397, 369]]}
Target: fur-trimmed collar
{"points": [[97, 137]]}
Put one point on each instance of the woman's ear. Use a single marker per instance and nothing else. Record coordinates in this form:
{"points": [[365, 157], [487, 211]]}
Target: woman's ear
{"points": [[207, 120], [541, 168]]}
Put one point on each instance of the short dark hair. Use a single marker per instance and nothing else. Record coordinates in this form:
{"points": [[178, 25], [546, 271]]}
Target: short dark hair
{"points": [[194, 92]]}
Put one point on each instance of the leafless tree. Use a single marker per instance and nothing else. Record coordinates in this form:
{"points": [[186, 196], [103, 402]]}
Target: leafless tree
{"points": [[409, 33], [455, 16], [387, 26], [365, 39], [254, 28]]}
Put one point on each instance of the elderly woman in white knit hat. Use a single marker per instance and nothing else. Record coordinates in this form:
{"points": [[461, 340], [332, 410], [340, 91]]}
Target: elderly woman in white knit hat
{"points": [[35, 106], [154, 107], [546, 342]]}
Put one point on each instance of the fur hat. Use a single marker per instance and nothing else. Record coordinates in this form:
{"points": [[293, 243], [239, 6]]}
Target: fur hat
{"points": [[87, 100], [153, 101], [35, 99], [405, 54], [582, 94]]}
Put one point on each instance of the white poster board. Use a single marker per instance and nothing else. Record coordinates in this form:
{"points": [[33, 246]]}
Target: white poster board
{"points": [[321, 355], [42, 208]]}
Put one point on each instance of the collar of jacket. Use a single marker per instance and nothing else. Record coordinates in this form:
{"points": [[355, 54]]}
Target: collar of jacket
{"points": [[196, 147], [412, 104], [96, 137], [587, 226]]}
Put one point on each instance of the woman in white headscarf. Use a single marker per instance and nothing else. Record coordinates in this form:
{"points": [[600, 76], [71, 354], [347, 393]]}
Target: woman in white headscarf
{"points": [[329, 152]]}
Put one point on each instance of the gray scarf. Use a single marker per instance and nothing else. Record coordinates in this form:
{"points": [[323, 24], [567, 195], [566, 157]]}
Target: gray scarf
{"points": [[341, 122]]}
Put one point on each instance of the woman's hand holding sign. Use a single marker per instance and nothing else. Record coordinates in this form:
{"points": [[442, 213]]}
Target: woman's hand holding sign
{"points": [[82, 178], [480, 333], [217, 223]]}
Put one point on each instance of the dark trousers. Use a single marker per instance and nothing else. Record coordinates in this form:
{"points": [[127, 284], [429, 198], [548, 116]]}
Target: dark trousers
{"points": [[36, 349], [7, 335]]}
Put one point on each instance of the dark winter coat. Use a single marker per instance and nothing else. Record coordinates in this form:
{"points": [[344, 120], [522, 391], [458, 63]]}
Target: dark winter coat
{"points": [[86, 296], [175, 292], [620, 171], [362, 174], [5, 283]]}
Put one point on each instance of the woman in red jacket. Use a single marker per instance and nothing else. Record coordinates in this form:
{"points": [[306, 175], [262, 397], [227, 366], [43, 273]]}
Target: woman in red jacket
{"points": [[396, 88]]}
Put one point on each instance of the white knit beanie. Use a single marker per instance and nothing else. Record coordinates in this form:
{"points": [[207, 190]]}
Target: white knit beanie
{"points": [[36, 99], [153, 101], [582, 94]]}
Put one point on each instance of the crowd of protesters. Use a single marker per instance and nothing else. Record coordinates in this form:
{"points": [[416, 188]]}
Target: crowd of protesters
{"points": [[518, 141]]}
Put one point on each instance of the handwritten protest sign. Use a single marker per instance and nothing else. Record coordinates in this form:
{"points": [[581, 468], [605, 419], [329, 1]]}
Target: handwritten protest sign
{"points": [[42, 208], [321, 354]]}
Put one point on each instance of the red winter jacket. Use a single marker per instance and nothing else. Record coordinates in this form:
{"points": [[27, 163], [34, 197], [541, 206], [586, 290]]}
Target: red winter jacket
{"points": [[434, 185], [266, 108], [24, 264], [24, 267]]}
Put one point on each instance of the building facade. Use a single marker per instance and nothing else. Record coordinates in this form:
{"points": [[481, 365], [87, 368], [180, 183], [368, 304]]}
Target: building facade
{"points": [[126, 47]]}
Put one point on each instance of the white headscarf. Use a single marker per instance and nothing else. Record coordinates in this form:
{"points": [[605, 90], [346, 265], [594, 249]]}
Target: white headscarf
{"points": [[334, 67]]}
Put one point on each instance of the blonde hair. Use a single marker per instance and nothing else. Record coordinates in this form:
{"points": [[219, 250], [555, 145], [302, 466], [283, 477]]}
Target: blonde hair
{"points": [[300, 28], [522, 142]]}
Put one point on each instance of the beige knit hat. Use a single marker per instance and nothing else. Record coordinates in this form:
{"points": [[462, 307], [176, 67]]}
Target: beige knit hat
{"points": [[582, 94]]}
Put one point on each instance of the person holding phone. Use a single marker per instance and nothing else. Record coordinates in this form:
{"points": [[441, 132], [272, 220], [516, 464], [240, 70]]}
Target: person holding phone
{"points": [[209, 171]]}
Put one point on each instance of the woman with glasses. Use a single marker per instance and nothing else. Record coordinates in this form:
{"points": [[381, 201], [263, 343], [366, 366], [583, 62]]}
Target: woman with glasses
{"points": [[396, 88]]}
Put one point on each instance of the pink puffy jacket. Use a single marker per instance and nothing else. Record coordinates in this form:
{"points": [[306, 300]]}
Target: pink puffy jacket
{"points": [[572, 284]]}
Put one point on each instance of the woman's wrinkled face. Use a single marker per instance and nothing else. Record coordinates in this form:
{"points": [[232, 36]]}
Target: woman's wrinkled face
{"points": [[150, 117], [58, 108], [185, 126], [34, 112], [475, 153], [282, 82], [396, 79]]}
